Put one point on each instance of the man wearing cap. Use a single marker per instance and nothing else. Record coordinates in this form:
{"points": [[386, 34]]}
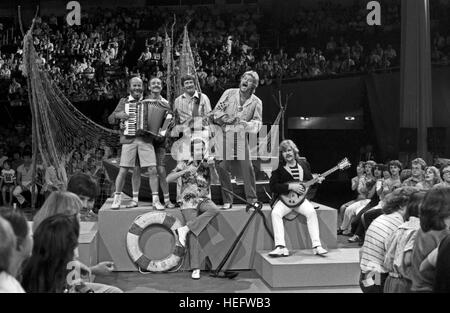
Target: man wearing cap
{"points": [[238, 111]]}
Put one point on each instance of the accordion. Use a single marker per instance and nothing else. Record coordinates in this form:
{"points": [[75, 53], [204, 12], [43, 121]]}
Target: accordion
{"points": [[147, 117]]}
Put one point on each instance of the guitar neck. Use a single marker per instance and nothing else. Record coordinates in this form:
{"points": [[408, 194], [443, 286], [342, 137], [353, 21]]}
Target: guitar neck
{"points": [[315, 180]]}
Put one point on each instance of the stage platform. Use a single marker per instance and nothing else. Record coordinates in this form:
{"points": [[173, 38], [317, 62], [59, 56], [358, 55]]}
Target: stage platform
{"points": [[340, 267], [215, 241]]}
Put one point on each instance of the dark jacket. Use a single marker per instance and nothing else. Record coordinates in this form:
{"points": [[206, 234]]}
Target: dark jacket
{"points": [[281, 177]]}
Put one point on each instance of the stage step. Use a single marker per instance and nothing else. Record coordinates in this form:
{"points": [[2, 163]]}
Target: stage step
{"points": [[340, 267]]}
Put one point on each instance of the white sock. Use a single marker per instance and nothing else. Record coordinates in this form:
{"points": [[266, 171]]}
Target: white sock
{"points": [[135, 196], [155, 198]]}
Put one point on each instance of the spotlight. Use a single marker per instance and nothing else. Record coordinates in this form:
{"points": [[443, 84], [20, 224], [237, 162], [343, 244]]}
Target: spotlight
{"points": [[350, 118], [304, 118]]}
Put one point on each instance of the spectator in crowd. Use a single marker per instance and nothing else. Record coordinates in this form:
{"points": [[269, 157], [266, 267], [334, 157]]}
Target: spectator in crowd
{"points": [[445, 172], [55, 243], [8, 283], [24, 238], [417, 172], [373, 251], [432, 177], [399, 247], [434, 226]]}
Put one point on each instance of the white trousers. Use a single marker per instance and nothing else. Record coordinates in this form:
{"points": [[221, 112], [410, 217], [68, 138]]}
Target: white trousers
{"points": [[351, 213], [306, 209]]}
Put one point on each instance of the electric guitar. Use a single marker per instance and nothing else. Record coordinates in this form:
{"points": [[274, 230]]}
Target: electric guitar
{"points": [[294, 199]]}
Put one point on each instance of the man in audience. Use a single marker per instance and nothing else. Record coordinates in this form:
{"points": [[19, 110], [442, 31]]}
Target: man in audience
{"points": [[372, 254], [417, 172]]}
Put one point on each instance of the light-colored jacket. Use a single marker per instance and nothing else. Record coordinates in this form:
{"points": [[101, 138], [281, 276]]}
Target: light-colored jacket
{"points": [[251, 110]]}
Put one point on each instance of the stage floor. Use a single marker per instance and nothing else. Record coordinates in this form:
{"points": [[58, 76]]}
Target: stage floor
{"points": [[248, 281], [181, 282]]}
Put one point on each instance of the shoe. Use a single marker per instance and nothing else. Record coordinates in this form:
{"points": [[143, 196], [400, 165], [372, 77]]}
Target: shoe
{"points": [[195, 274], [347, 233], [340, 232], [116, 202], [279, 251], [227, 206], [132, 204], [158, 206], [182, 234], [169, 205], [319, 251], [354, 238]]}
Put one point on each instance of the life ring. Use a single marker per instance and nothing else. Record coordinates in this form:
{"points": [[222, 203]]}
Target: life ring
{"points": [[137, 228]]}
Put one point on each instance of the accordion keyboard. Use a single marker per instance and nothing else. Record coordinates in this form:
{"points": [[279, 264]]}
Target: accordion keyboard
{"points": [[131, 123]]}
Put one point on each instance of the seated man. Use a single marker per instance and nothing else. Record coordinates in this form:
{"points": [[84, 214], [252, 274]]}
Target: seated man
{"points": [[195, 175]]}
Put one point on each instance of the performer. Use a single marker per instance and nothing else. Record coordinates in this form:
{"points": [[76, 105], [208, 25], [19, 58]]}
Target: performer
{"points": [[195, 174], [292, 168], [155, 87], [133, 146], [240, 111], [191, 103], [188, 106]]}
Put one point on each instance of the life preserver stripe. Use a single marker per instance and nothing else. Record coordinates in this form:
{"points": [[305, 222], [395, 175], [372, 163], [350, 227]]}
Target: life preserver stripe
{"points": [[179, 251], [135, 229], [143, 262], [169, 221]]}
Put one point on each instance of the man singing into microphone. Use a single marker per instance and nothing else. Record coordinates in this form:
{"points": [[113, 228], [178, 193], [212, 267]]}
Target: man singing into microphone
{"points": [[132, 146], [239, 111]]}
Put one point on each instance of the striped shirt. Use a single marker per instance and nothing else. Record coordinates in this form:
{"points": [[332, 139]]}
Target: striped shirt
{"points": [[373, 251], [295, 172]]}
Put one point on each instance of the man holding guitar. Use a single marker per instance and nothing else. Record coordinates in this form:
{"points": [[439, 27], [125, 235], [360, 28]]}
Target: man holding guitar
{"points": [[290, 183]]}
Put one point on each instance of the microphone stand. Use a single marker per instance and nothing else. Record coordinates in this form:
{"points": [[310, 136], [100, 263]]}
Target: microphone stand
{"points": [[257, 206]]}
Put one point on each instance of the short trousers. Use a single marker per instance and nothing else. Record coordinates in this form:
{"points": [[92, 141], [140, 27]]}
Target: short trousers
{"points": [[138, 147]]}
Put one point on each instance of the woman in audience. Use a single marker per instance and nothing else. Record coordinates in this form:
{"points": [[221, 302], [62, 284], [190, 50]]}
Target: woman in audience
{"points": [[24, 238], [8, 284], [68, 203], [373, 250], [438, 260], [434, 226], [59, 202], [355, 208], [432, 178], [399, 244], [55, 242], [358, 185], [445, 173]]}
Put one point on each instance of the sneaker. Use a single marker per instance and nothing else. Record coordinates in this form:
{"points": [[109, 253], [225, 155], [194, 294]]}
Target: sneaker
{"points": [[195, 274], [279, 251], [169, 205], [227, 206], [158, 206], [182, 234], [319, 251], [355, 238], [132, 204], [116, 202]]}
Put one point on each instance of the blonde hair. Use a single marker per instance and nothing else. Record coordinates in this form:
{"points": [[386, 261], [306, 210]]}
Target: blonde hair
{"points": [[59, 202], [284, 145], [437, 175]]}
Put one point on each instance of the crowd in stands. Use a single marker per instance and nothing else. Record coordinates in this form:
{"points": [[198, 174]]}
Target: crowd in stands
{"points": [[399, 216], [16, 168], [92, 61]]}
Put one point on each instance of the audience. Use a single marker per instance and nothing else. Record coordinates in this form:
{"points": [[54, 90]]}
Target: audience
{"points": [[434, 226], [8, 243], [55, 243], [373, 250], [399, 246]]}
